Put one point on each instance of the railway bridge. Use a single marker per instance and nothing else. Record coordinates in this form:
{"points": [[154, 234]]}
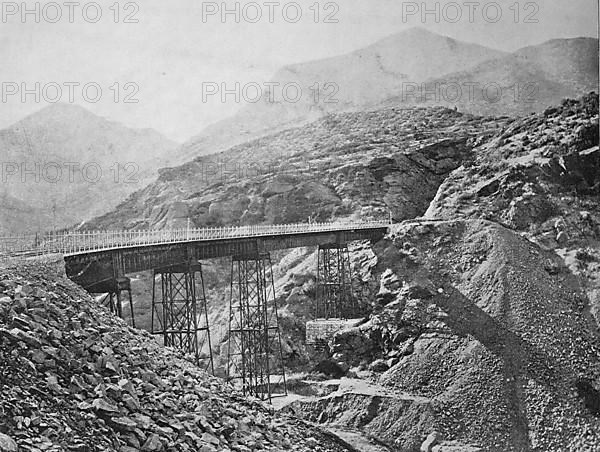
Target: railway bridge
{"points": [[100, 261]]}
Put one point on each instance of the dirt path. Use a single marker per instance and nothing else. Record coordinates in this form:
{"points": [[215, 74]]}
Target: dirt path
{"points": [[348, 386], [358, 440]]}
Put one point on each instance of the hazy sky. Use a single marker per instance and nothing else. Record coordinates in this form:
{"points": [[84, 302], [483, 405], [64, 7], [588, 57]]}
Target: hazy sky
{"points": [[172, 49]]}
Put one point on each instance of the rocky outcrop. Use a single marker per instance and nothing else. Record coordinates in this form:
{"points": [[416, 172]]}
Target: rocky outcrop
{"points": [[73, 377], [364, 164], [542, 169], [541, 177], [485, 326]]}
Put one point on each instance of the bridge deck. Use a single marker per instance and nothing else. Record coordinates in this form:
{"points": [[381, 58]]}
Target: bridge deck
{"points": [[95, 259], [82, 243]]}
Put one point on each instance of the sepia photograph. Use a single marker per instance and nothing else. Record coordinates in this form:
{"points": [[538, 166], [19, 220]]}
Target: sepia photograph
{"points": [[313, 226]]}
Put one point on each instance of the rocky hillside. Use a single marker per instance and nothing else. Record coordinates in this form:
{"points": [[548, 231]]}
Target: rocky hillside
{"points": [[540, 177], [73, 377], [345, 164], [481, 336], [73, 165], [484, 334], [480, 340]]}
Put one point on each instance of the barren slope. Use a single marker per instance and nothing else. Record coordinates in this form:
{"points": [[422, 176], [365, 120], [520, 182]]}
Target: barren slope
{"points": [[73, 377], [482, 337], [540, 177], [344, 164]]}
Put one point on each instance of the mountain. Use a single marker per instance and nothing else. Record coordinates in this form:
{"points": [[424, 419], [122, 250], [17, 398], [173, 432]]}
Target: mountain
{"points": [[389, 71], [68, 162], [357, 80], [481, 318], [343, 164], [18, 217], [524, 82]]}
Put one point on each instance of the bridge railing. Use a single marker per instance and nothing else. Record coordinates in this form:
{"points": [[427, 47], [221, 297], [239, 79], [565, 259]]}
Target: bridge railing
{"points": [[75, 242]]}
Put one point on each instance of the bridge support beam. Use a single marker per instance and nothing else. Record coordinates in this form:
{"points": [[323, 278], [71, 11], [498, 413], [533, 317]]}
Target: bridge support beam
{"points": [[120, 287], [254, 356], [179, 311], [335, 298]]}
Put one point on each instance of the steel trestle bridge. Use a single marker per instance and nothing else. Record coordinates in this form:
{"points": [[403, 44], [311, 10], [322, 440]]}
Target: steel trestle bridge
{"points": [[72, 243], [100, 260]]}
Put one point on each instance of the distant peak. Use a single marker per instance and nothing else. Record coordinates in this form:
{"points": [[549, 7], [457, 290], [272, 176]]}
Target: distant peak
{"points": [[65, 108], [60, 111], [419, 31], [417, 34]]}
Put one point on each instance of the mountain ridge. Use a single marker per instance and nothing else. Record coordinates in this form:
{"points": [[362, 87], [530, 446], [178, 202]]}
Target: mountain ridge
{"points": [[255, 181], [374, 86], [263, 117], [65, 156], [526, 81]]}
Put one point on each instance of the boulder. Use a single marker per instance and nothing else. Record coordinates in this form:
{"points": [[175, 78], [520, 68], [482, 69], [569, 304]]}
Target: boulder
{"points": [[7, 444], [352, 345], [153, 444], [379, 365], [431, 441]]}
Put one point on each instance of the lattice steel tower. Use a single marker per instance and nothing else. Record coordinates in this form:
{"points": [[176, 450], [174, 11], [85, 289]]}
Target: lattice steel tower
{"points": [[180, 315], [254, 356], [120, 287], [335, 298]]}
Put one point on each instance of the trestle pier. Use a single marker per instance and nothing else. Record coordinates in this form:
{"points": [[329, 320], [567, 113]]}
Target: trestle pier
{"points": [[254, 352], [180, 313]]}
